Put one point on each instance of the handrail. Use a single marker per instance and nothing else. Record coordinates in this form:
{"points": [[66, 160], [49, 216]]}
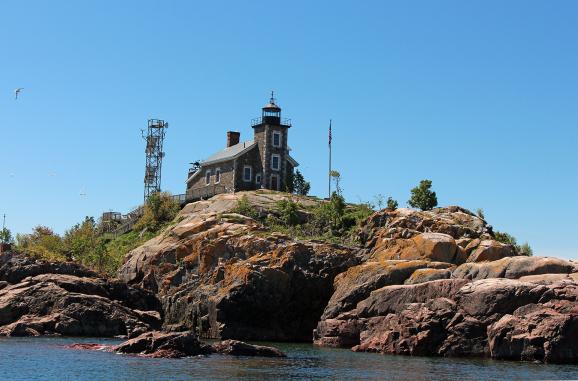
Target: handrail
{"points": [[259, 120]]}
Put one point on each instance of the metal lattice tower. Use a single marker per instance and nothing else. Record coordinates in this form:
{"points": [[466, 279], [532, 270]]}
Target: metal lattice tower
{"points": [[154, 156]]}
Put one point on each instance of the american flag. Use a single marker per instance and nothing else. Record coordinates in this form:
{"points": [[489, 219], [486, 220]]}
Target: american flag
{"points": [[329, 131]]}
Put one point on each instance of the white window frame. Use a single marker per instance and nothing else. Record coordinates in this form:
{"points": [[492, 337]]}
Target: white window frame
{"points": [[278, 162], [245, 167], [208, 175], [276, 133], [258, 179], [217, 175]]}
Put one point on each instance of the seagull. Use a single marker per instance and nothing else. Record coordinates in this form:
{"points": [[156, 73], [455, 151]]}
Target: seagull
{"points": [[17, 91], [82, 193]]}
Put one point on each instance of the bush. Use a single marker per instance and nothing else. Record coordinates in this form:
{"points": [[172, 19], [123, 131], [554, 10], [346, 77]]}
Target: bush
{"points": [[508, 239], [391, 204], [505, 238], [423, 197], [42, 243], [300, 186], [526, 250], [159, 209], [288, 210], [245, 208], [5, 236], [480, 213]]}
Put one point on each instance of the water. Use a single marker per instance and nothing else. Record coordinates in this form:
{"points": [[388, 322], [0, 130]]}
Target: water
{"points": [[48, 359]]}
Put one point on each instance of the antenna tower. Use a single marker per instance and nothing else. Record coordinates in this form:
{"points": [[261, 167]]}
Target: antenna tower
{"points": [[154, 156]]}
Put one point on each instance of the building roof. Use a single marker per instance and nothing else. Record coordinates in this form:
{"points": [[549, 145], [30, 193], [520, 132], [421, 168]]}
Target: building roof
{"points": [[226, 154], [229, 152]]}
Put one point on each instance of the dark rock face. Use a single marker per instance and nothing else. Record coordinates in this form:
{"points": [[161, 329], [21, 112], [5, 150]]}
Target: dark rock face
{"points": [[501, 318], [184, 344], [239, 348], [216, 273], [168, 345], [72, 301]]}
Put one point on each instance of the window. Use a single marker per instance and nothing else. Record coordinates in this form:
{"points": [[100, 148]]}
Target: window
{"points": [[275, 162], [258, 178], [276, 139], [217, 175], [247, 173], [208, 177]]}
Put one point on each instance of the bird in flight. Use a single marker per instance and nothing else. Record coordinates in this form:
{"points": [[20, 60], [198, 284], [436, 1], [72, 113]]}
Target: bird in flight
{"points": [[17, 91]]}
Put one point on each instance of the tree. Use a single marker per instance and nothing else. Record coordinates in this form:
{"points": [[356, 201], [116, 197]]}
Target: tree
{"points": [[480, 213], [336, 177], [379, 200], [391, 204], [5, 236], [525, 249], [42, 243], [423, 197], [290, 182], [159, 208], [300, 186], [506, 238]]}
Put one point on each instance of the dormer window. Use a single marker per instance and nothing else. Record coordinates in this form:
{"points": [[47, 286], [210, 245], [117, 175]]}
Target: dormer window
{"points": [[247, 175], [208, 177], [276, 139], [275, 162]]}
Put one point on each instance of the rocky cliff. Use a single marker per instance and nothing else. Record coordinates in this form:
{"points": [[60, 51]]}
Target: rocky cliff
{"points": [[421, 283], [437, 283], [221, 274], [42, 298]]}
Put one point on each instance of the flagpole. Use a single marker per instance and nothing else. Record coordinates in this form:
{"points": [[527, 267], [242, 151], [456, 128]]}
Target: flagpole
{"points": [[329, 196]]}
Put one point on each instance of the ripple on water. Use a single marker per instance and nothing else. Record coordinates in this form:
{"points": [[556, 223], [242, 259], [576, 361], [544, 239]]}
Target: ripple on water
{"points": [[47, 359]]}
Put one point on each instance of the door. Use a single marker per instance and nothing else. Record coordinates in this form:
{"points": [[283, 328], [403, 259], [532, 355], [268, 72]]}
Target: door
{"points": [[275, 182]]}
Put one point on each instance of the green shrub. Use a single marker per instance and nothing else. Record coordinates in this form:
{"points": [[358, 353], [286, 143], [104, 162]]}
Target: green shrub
{"points": [[423, 197], [392, 204], [508, 239], [159, 209], [288, 212], [505, 238], [525, 249], [245, 208], [42, 243], [6, 236], [300, 186], [480, 213]]}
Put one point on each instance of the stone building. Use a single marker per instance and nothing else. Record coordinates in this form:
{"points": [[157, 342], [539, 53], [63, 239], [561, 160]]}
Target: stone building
{"points": [[261, 163]]}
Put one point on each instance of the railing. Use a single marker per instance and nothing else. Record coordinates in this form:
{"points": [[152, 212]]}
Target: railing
{"points": [[263, 120]]}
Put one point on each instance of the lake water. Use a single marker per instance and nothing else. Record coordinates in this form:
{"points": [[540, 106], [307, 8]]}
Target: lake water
{"points": [[49, 359]]}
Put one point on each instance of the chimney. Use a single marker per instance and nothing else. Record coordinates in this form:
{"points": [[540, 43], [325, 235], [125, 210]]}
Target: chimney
{"points": [[233, 138]]}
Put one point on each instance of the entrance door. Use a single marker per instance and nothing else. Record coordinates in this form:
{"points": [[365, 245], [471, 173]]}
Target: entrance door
{"points": [[275, 182]]}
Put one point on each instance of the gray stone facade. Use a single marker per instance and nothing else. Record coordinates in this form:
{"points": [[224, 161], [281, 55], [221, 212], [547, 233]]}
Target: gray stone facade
{"points": [[262, 163]]}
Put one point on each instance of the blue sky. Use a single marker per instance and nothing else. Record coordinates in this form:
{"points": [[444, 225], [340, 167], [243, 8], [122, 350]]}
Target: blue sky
{"points": [[481, 97]]}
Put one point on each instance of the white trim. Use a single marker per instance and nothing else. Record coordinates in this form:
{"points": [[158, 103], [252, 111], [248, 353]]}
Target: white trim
{"points": [[278, 133], [217, 178], [278, 162], [250, 173], [208, 174], [258, 179]]}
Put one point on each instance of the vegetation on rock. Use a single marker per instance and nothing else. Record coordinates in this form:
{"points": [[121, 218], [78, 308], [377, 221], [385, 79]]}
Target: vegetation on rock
{"points": [[523, 249], [392, 204], [423, 197]]}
